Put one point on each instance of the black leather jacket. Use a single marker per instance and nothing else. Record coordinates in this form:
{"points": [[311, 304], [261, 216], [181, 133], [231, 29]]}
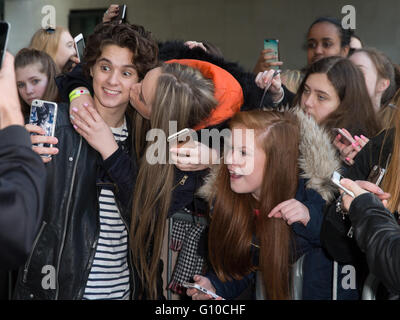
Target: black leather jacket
{"points": [[69, 231], [377, 233]]}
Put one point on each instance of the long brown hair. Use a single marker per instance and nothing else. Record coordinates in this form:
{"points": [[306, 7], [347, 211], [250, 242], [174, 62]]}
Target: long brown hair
{"points": [[28, 56], [391, 181], [185, 96], [355, 111], [233, 222]]}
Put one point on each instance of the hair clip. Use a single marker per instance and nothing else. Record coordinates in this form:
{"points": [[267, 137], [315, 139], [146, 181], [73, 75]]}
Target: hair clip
{"points": [[50, 29]]}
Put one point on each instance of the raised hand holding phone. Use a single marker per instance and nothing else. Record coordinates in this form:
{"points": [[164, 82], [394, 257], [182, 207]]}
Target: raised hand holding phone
{"points": [[42, 123], [269, 57]]}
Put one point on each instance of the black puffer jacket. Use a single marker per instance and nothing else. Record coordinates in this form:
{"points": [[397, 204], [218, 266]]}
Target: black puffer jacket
{"points": [[66, 242]]}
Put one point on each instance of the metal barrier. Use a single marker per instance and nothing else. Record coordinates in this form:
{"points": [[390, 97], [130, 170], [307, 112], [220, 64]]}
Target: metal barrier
{"points": [[296, 280], [370, 288]]}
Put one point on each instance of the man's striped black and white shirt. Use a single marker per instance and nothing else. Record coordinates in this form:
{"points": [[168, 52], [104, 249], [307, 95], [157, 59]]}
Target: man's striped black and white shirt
{"points": [[109, 274]]}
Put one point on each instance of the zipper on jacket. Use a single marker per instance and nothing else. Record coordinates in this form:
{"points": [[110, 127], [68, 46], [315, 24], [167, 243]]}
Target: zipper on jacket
{"points": [[67, 215], [26, 267]]}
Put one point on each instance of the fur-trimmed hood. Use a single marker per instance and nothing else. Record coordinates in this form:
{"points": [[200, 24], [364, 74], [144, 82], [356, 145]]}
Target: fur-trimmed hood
{"points": [[317, 161]]}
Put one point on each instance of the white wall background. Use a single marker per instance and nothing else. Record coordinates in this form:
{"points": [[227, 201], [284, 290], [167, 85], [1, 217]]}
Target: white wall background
{"points": [[238, 27]]}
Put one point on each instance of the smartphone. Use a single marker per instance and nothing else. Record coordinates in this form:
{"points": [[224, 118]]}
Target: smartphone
{"points": [[121, 13], [178, 135], [344, 135], [80, 46], [274, 45], [336, 177], [190, 285], [376, 175], [44, 114], [4, 32]]}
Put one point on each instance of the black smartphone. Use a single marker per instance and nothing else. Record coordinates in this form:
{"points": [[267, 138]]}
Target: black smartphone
{"points": [[121, 13], [4, 31], [273, 44]]}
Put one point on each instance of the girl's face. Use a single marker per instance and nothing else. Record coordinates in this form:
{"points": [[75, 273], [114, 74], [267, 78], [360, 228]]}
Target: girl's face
{"points": [[367, 67], [319, 98], [65, 50], [31, 83], [143, 93], [323, 40], [246, 162], [113, 75]]}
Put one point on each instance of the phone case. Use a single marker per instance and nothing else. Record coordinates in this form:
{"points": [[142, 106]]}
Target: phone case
{"points": [[44, 114], [274, 45], [376, 175]]}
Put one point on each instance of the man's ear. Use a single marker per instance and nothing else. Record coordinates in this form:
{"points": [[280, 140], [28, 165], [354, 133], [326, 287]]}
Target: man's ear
{"points": [[382, 85]]}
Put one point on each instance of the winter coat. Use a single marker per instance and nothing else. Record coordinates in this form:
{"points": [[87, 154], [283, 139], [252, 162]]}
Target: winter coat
{"points": [[70, 226], [22, 186], [377, 233], [336, 227], [317, 161]]}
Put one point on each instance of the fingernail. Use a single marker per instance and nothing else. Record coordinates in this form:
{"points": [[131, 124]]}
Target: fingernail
{"points": [[348, 159], [75, 126], [85, 104], [363, 137], [357, 138], [75, 109], [72, 117]]}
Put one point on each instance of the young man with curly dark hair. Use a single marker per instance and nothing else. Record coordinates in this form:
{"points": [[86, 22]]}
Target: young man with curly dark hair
{"points": [[81, 250]]}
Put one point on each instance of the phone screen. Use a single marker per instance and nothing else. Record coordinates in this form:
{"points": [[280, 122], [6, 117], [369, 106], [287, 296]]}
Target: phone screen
{"points": [[274, 45], [43, 114], [4, 30], [80, 46]]}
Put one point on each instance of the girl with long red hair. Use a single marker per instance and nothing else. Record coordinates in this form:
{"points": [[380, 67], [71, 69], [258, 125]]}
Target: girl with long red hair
{"points": [[258, 201]]}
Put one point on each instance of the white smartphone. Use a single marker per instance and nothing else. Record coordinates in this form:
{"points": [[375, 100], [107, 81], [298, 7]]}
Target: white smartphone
{"points": [[344, 135], [80, 46], [336, 177], [44, 114], [4, 32], [177, 135], [190, 285]]}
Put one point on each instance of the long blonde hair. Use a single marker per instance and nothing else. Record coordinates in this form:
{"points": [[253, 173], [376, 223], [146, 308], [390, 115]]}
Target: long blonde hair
{"points": [[185, 96], [47, 40], [391, 181]]}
